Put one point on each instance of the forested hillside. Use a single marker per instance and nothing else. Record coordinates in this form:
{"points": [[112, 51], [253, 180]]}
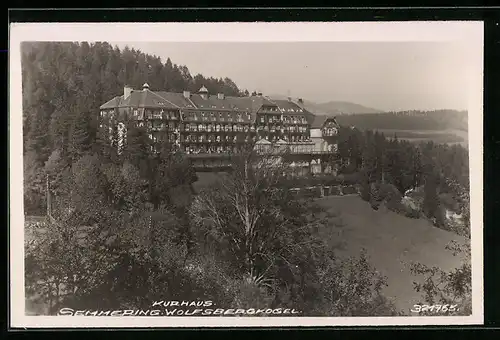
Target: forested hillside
{"points": [[408, 120], [65, 83]]}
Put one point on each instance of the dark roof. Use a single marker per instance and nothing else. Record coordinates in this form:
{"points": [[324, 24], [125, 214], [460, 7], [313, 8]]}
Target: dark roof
{"points": [[289, 107], [173, 100], [318, 122]]}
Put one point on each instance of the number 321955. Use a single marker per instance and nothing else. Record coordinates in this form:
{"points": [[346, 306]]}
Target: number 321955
{"points": [[434, 308]]}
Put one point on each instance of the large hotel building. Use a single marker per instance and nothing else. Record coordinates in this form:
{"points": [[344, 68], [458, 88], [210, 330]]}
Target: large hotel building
{"points": [[209, 127]]}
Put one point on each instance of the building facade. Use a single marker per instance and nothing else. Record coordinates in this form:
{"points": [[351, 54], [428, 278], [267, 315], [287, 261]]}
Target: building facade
{"points": [[210, 126]]}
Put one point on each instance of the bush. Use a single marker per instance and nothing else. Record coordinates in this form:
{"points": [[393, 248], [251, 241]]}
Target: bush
{"points": [[350, 179], [354, 288], [389, 192], [412, 213], [348, 169]]}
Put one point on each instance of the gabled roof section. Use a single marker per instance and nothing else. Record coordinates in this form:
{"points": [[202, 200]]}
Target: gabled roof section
{"points": [[319, 121], [110, 104], [154, 100], [177, 99]]}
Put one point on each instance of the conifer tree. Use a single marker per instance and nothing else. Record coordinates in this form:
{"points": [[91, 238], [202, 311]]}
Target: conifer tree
{"points": [[80, 142]]}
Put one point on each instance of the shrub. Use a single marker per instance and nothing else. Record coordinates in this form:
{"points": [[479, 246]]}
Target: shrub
{"points": [[412, 213], [389, 192], [348, 169], [354, 288]]}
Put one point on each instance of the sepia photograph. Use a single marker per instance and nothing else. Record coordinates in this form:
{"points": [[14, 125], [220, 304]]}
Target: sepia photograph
{"points": [[215, 175]]}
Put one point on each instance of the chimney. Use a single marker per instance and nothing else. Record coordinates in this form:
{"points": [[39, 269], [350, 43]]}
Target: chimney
{"points": [[300, 101], [127, 90], [187, 94], [220, 96]]}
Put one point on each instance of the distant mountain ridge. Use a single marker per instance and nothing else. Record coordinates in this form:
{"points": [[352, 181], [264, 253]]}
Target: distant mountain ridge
{"points": [[333, 108]]}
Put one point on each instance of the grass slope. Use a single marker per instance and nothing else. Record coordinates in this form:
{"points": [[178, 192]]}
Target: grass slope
{"points": [[393, 242]]}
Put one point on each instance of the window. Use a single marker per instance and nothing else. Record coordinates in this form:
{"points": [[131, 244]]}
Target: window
{"points": [[186, 127], [262, 119]]}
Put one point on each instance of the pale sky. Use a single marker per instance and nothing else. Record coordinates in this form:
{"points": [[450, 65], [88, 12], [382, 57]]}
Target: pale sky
{"points": [[381, 75]]}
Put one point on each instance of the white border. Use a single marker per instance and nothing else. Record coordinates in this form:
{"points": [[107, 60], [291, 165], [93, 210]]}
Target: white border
{"points": [[469, 33]]}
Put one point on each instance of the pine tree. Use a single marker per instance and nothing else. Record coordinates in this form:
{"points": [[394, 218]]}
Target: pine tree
{"points": [[138, 149], [38, 140], [81, 142], [431, 206]]}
